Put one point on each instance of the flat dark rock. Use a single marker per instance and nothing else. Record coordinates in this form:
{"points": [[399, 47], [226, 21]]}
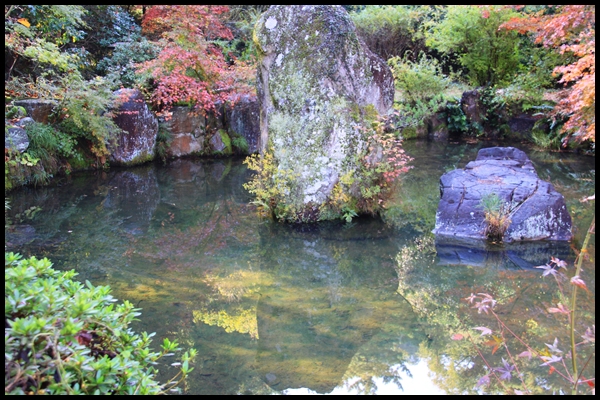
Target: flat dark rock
{"points": [[538, 211]]}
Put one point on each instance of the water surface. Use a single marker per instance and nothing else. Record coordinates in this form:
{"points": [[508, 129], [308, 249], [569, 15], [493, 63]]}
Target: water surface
{"points": [[364, 307]]}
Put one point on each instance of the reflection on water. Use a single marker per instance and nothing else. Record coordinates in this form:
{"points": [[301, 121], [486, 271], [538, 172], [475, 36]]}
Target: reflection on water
{"points": [[368, 307], [516, 255]]}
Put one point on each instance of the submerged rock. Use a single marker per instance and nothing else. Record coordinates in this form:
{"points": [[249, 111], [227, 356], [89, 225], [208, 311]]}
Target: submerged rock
{"points": [[538, 211], [316, 81]]}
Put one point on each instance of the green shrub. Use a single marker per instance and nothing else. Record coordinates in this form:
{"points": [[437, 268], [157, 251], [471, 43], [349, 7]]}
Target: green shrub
{"points": [[240, 144], [121, 64], [63, 337], [548, 140], [84, 111], [422, 89], [419, 80], [48, 148], [163, 142], [119, 43], [391, 30], [490, 56], [456, 118], [15, 112], [23, 169], [241, 19], [46, 142]]}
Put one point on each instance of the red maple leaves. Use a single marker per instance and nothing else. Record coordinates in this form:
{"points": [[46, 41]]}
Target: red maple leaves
{"points": [[191, 67]]}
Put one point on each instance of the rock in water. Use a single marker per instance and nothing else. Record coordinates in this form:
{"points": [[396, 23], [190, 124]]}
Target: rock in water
{"points": [[538, 211], [135, 144], [316, 83]]}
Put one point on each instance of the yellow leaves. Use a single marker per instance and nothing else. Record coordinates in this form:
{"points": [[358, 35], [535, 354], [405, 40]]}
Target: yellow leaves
{"points": [[24, 22], [242, 322], [544, 353]]}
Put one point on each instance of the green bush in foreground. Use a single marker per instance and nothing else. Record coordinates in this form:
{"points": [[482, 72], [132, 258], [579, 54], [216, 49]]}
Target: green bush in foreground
{"points": [[62, 337]]}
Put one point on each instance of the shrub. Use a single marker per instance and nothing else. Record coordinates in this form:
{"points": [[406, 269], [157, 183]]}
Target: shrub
{"points": [[471, 33], [241, 19], [23, 169], [63, 337], [550, 140], [240, 144], [16, 112], [418, 80], [391, 30], [40, 40], [456, 118], [122, 61], [421, 87], [268, 185], [163, 142], [84, 105], [48, 144]]}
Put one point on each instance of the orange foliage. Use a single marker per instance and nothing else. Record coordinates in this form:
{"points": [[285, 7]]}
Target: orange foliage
{"points": [[570, 29]]}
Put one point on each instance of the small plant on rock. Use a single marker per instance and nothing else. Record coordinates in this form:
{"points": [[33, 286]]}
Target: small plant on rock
{"points": [[497, 216]]}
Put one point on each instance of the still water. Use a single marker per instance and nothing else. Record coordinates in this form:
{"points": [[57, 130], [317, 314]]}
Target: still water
{"points": [[374, 306]]}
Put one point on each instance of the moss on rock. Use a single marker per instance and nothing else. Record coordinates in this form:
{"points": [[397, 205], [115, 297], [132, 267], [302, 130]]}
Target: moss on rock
{"points": [[317, 86]]}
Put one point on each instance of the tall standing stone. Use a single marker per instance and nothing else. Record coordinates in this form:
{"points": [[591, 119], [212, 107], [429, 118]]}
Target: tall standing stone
{"points": [[316, 82], [135, 144]]}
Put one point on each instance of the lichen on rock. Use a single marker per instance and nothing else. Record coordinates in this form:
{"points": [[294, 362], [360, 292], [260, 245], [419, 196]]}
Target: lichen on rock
{"points": [[315, 82]]}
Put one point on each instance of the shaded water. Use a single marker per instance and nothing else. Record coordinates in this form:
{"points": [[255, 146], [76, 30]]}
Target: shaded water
{"points": [[366, 307]]}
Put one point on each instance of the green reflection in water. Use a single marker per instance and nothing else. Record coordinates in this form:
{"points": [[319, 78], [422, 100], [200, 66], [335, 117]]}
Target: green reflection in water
{"points": [[328, 307]]}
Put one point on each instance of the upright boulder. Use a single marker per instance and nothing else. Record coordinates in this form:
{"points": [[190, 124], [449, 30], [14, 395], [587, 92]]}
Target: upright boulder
{"points": [[135, 144], [242, 118], [316, 82], [187, 131], [537, 210]]}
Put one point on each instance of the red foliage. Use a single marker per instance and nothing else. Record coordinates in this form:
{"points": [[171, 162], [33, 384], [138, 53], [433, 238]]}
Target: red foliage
{"points": [[191, 67], [570, 29]]}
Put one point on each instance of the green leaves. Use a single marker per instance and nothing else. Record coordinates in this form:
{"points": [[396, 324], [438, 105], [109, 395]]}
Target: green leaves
{"points": [[419, 81], [488, 54], [67, 338]]}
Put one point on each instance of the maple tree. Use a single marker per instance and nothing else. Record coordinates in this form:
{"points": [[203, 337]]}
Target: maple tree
{"points": [[571, 30], [191, 66]]}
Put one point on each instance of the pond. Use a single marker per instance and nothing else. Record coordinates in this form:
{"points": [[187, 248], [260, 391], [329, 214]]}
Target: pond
{"points": [[374, 306]]}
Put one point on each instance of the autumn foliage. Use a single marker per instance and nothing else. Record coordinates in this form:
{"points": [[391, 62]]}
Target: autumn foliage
{"points": [[191, 67], [571, 30]]}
